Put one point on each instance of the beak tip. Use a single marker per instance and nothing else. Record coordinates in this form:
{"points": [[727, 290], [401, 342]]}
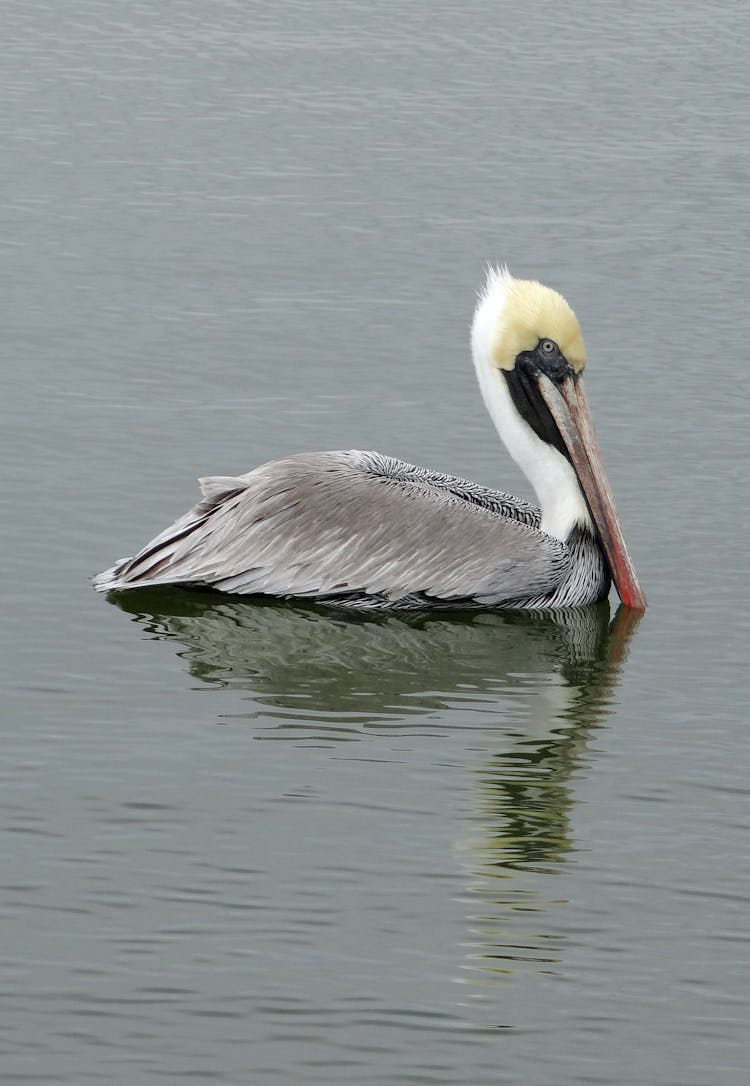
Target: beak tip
{"points": [[633, 598]]}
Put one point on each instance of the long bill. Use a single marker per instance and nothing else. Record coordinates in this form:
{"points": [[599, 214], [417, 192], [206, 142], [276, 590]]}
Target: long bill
{"points": [[570, 409]]}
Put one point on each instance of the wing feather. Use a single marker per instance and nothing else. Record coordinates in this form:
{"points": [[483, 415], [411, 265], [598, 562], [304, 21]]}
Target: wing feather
{"points": [[347, 525]]}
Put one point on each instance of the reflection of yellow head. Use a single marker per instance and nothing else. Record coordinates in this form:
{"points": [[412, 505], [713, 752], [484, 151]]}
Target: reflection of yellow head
{"points": [[527, 313]]}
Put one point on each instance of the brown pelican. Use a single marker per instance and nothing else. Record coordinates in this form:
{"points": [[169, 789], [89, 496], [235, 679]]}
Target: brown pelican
{"points": [[361, 529]]}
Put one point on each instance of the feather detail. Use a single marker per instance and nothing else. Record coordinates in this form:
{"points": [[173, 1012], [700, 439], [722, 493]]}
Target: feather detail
{"points": [[352, 527]]}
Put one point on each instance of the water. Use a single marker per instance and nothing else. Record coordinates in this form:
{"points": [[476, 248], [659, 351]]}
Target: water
{"points": [[271, 845]]}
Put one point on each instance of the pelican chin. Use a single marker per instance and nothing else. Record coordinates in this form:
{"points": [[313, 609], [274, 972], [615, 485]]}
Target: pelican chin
{"points": [[360, 529]]}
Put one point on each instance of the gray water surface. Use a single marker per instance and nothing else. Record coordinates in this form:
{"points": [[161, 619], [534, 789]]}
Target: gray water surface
{"points": [[270, 844]]}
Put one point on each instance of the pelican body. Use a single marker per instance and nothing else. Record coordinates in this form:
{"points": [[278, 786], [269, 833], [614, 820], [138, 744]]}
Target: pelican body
{"points": [[361, 529]]}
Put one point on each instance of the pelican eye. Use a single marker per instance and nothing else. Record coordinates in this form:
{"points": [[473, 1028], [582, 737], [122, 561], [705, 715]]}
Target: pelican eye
{"points": [[548, 346]]}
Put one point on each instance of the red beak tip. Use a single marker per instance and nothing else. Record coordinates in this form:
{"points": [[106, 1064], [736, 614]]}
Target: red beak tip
{"points": [[636, 601]]}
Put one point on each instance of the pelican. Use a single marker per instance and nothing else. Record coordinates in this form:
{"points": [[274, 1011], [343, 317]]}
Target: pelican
{"points": [[364, 530]]}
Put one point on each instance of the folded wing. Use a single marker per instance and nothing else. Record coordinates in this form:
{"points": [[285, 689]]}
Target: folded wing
{"points": [[351, 526]]}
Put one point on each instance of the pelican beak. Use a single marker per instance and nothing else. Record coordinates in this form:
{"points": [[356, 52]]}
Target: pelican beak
{"points": [[570, 409]]}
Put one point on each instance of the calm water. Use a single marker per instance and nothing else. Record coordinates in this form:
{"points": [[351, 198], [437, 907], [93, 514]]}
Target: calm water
{"points": [[267, 844]]}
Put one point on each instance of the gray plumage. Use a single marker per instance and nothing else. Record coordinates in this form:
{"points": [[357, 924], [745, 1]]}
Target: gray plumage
{"points": [[365, 530]]}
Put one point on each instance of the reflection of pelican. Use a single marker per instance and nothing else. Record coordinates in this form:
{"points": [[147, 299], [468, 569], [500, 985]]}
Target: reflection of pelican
{"points": [[310, 665], [528, 685], [359, 528]]}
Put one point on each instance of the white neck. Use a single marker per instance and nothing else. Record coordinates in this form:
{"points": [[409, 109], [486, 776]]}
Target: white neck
{"points": [[549, 472]]}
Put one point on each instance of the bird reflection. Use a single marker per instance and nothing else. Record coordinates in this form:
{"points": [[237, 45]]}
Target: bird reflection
{"points": [[317, 665], [541, 682]]}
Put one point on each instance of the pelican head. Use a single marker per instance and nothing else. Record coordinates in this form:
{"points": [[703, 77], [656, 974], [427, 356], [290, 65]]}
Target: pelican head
{"points": [[529, 356]]}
